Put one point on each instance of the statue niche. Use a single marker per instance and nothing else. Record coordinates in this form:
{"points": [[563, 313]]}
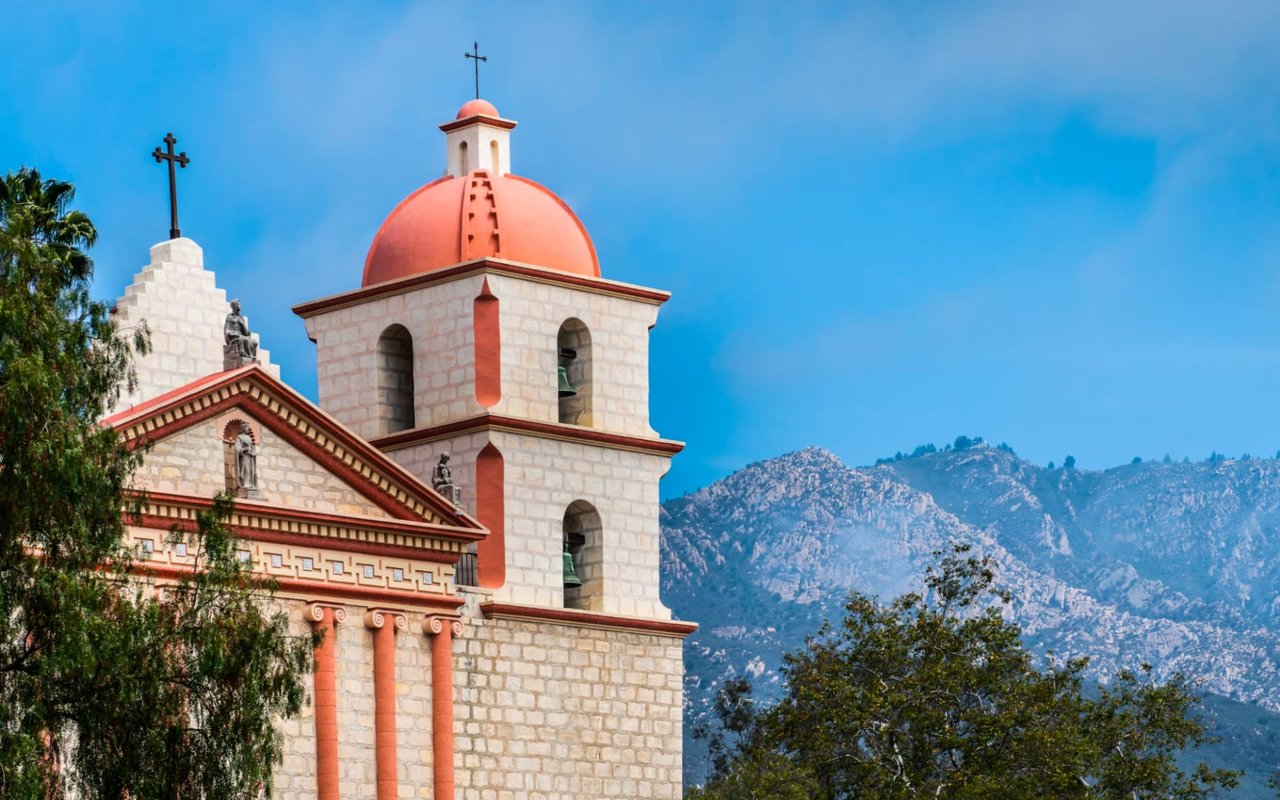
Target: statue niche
{"points": [[241, 449], [240, 345]]}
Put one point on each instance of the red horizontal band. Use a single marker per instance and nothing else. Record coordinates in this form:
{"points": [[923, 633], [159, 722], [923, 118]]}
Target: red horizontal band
{"points": [[487, 421], [588, 618], [480, 265]]}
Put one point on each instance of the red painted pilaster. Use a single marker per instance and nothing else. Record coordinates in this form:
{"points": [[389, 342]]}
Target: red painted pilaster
{"points": [[325, 618], [442, 630], [384, 624]]}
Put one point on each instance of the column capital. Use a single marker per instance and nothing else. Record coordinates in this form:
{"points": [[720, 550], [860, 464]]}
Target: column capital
{"points": [[377, 618], [434, 624], [314, 613]]}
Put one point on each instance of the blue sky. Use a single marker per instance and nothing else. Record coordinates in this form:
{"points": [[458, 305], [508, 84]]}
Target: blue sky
{"points": [[1051, 224]]}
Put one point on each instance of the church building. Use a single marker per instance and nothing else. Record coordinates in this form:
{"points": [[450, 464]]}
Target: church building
{"points": [[470, 513]]}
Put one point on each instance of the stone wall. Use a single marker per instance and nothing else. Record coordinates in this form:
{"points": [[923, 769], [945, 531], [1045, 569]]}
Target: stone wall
{"points": [[438, 319], [549, 711], [542, 711], [194, 461], [543, 477], [531, 314], [182, 305]]}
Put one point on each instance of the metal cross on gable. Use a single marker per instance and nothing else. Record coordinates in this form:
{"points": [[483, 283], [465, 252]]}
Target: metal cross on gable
{"points": [[181, 160], [475, 55]]}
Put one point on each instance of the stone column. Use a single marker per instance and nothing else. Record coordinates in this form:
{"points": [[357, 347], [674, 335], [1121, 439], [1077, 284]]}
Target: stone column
{"points": [[442, 630], [325, 618], [384, 624]]}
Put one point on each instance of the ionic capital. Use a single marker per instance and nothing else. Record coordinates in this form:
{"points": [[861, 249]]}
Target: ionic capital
{"points": [[314, 613], [435, 624], [376, 618]]}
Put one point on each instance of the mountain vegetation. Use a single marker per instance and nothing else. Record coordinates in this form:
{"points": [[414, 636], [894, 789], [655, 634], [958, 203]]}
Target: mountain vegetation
{"points": [[933, 695], [109, 686], [1170, 564]]}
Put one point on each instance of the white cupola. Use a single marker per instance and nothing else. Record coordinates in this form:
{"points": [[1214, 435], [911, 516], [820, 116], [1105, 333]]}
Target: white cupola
{"points": [[477, 139]]}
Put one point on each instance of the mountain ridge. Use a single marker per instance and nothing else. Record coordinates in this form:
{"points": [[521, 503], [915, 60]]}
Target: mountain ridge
{"points": [[1172, 564]]}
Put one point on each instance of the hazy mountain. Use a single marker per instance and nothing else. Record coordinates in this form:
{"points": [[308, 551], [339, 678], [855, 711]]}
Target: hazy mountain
{"points": [[1171, 564]]}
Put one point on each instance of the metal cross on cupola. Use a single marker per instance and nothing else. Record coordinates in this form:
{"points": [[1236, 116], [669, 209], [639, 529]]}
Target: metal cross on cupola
{"points": [[475, 54], [181, 160]]}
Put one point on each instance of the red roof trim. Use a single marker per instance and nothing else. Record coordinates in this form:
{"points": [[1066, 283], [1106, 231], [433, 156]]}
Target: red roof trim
{"points": [[571, 616], [666, 447], [479, 265], [478, 119], [216, 379]]}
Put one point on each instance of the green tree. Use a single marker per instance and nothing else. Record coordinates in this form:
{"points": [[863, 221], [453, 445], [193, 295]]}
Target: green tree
{"points": [[1069, 462], [110, 687], [935, 696]]}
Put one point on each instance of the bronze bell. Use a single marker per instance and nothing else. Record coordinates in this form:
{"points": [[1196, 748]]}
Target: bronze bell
{"points": [[566, 388], [571, 579]]}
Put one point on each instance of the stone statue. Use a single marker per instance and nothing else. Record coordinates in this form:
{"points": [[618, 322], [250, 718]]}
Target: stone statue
{"points": [[442, 481], [246, 460], [241, 345]]}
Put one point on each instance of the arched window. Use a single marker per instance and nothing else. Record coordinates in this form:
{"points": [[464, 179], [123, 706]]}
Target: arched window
{"points": [[573, 348], [582, 542], [495, 167], [395, 379], [464, 163]]}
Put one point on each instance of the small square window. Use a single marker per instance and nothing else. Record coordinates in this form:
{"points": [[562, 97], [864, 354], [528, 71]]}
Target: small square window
{"points": [[368, 570], [308, 565], [180, 548], [397, 574], [148, 546], [244, 556], [337, 567], [277, 560]]}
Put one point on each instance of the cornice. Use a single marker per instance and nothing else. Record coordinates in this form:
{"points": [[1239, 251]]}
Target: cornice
{"points": [[545, 430], [478, 266], [588, 619], [478, 119], [345, 532]]}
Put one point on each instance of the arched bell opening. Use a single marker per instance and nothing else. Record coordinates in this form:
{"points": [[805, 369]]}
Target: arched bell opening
{"points": [[573, 355], [583, 557], [395, 379], [495, 162], [464, 162]]}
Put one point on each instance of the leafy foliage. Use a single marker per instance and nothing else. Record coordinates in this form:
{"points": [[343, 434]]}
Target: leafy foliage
{"points": [[933, 695], [110, 686]]}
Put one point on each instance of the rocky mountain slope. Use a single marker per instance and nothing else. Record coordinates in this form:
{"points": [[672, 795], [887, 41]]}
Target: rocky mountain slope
{"points": [[1171, 564]]}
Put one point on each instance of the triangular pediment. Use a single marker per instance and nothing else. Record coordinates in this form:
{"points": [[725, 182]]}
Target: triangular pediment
{"points": [[306, 461]]}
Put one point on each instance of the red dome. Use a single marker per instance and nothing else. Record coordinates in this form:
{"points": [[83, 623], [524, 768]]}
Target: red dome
{"points": [[477, 108], [452, 220]]}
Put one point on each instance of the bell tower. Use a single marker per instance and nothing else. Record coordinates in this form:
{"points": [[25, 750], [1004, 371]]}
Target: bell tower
{"points": [[484, 330]]}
